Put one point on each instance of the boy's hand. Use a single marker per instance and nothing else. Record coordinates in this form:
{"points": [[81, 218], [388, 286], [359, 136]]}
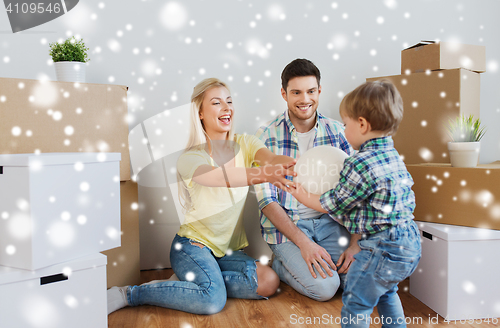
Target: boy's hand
{"points": [[298, 192], [305, 198], [348, 257]]}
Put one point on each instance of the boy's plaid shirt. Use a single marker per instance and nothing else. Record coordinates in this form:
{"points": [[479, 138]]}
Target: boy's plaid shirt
{"points": [[280, 137], [374, 190]]}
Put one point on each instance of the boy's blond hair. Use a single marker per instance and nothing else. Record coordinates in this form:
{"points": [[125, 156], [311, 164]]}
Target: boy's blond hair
{"points": [[379, 102]]}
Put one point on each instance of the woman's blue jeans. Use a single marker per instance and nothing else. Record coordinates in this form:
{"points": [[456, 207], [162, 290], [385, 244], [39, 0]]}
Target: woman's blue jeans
{"points": [[205, 280], [385, 259]]}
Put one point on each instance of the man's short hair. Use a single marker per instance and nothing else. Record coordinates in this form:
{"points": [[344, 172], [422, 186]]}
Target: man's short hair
{"points": [[379, 102], [299, 67]]}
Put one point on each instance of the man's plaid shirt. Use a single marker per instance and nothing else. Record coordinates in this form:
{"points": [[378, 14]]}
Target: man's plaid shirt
{"points": [[280, 136], [374, 190]]}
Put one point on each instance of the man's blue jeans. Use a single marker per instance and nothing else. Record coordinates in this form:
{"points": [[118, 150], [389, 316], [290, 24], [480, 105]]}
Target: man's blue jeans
{"points": [[205, 280], [293, 270], [385, 259]]}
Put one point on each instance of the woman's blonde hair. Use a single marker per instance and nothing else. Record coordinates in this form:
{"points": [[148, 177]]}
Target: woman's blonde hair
{"points": [[198, 137], [379, 102]]}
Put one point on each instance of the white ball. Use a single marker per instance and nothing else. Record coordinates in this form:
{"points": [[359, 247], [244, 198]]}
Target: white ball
{"points": [[318, 170]]}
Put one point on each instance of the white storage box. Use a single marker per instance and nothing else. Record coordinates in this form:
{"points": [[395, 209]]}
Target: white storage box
{"points": [[70, 294], [58, 206], [458, 273]]}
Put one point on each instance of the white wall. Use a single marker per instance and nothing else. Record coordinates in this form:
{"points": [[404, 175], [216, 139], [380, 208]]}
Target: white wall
{"points": [[161, 57]]}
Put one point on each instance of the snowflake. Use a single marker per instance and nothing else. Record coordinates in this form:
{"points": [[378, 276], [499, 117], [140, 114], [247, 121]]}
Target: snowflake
{"points": [[190, 276], [391, 4], [492, 66], [10, 249], [84, 186], [114, 45], [173, 16], [264, 260], [469, 287], [81, 219]]}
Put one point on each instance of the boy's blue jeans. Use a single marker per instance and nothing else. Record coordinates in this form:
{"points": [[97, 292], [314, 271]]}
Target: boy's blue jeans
{"points": [[385, 259], [205, 280]]}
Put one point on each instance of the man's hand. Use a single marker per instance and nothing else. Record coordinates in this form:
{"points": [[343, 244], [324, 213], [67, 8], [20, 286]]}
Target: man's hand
{"points": [[317, 256]]}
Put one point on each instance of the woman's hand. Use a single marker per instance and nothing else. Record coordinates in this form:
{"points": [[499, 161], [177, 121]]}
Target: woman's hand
{"points": [[276, 174]]}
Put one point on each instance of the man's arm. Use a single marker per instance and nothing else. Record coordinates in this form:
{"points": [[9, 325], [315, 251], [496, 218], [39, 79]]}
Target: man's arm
{"points": [[312, 253]]}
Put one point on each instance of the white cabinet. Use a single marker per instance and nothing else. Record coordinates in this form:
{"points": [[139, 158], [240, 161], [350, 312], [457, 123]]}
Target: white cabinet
{"points": [[458, 273], [71, 294], [56, 207]]}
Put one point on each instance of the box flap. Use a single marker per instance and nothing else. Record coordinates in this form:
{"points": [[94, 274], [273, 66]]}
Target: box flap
{"points": [[56, 158], [458, 233], [12, 275], [421, 43]]}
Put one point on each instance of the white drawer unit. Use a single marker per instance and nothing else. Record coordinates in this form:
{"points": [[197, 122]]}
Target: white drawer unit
{"points": [[457, 276], [55, 207], [70, 294]]}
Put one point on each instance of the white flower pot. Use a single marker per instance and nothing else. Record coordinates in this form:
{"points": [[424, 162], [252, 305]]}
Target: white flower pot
{"points": [[464, 154], [70, 71]]}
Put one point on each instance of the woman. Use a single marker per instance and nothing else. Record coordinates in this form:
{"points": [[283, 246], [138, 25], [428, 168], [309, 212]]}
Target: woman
{"points": [[214, 174]]}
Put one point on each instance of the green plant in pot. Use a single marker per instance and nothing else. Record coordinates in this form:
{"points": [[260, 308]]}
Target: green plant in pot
{"points": [[465, 132], [69, 58]]}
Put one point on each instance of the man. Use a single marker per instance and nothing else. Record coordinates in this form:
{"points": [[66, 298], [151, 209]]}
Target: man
{"points": [[304, 241]]}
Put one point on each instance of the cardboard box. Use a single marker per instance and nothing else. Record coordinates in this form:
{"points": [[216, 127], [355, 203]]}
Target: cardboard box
{"points": [[70, 294], [124, 262], [457, 196], [430, 99], [56, 207], [428, 55], [458, 273], [64, 117]]}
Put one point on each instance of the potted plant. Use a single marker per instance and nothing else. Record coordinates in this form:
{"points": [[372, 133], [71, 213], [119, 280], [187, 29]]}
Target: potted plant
{"points": [[466, 134], [69, 59]]}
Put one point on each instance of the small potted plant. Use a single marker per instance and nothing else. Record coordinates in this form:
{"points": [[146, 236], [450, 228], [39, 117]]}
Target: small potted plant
{"points": [[69, 59], [465, 133]]}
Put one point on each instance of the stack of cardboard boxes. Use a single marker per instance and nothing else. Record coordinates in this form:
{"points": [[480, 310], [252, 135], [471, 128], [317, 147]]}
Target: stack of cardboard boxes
{"points": [[439, 82], [40, 117]]}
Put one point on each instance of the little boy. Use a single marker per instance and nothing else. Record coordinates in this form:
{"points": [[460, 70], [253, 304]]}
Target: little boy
{"points": [[374, 201]]}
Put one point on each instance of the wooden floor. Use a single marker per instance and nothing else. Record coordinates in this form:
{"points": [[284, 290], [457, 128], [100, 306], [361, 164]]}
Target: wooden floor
{"points": [[285, 309]]}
